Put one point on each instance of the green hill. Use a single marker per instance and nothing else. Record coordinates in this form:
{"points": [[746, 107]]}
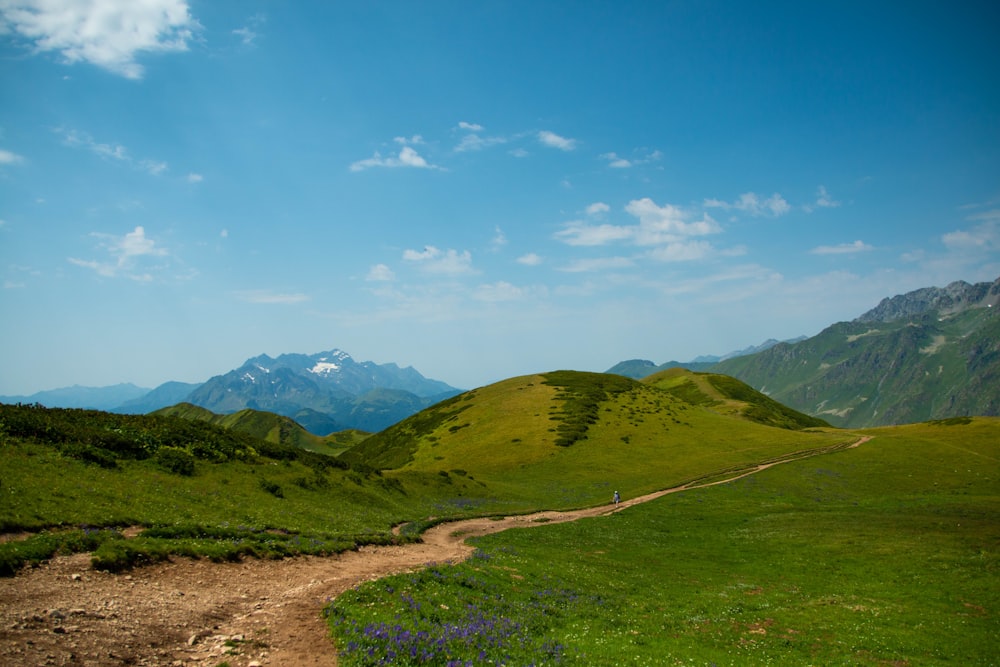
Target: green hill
{"points": [[555, 440], [730, 396], [568, 438], [268, 426]]}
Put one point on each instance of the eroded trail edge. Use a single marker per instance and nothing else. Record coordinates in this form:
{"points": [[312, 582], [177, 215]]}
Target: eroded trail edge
{"points": [[199, 613]]}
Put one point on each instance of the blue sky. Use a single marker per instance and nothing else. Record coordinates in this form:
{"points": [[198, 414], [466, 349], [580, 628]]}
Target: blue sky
{"points": [[479, 190]]}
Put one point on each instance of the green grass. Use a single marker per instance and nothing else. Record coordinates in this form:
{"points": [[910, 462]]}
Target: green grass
{"points": [[887, 554]]}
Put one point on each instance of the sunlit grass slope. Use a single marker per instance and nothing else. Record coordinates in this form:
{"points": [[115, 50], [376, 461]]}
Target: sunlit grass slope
{"points": [[886, 554], [730, 396], [194, 487], [567, 438]]}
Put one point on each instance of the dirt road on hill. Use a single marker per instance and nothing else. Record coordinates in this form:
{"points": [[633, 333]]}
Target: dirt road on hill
{"points": [[195, 613]]}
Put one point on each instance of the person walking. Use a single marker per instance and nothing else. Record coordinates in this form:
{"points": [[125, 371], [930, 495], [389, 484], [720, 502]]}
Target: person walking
{"points": [[617, 498]]}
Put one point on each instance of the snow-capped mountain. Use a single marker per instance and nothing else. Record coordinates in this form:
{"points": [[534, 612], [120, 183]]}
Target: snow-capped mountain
{"points": [[362, 395]]}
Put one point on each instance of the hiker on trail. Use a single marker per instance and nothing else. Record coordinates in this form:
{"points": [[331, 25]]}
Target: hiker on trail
{"points": [[617, 498]]}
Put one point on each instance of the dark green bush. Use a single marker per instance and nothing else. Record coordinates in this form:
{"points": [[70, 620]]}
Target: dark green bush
{"points": [[175, 460], [272, 487]]}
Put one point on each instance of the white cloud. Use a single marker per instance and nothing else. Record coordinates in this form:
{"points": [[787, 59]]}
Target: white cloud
{"points": [[472, 127], [115, 152], [750, 202], [7, 157], [154, 167], [474, 142], [992, 214], [408, 157], [553, 140], [658, 225], [195, 178], [664, 224], [125, 251], [824, 200], [684, 251], [530, 259], [415, 140], [107, 33], [981, 238], [498, 291], [615, 161], [597, 264], [579, 233], [499, 239], [248, 33], [380, 273], [271, 297], [842, 249], [597, 208], [447, 262]]}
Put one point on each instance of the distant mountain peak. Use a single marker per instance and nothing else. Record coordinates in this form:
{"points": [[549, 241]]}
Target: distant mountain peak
{"points": [[953, 298]]}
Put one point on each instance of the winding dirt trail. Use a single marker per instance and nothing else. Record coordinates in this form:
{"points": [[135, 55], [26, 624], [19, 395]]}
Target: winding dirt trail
{"points": [[194, 613]]}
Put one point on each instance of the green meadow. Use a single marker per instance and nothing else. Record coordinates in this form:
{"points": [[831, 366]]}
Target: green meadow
{"points": [[886, 554], [883, 554]]}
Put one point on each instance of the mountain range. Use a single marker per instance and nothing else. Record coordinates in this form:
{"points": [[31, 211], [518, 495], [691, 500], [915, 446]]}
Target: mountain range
{"points": [[928, 354], [324, 392]]}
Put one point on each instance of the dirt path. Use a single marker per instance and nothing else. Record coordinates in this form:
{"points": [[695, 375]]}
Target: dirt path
{"points": [[197, 613]]}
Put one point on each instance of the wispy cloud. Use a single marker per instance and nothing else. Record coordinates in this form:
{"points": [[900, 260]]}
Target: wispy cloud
{"points": [[597, 264], [264, 296], [499, 239], [473, 141], [126, 253], [530, 259], [824, 200], [553, 140], [445, 262], [842, 249], [380, 273], [248, 33], [407, 157], [109, 34], [984, 237], [111, 151], [752, 204], [616, 161], [498, 291], [7, 157]]}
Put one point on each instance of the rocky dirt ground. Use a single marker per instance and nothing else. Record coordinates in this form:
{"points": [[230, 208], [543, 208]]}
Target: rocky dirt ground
{"points": [[195, 613]]}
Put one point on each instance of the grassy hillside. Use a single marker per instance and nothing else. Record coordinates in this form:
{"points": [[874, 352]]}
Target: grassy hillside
{"points": [[886, 554], [857, 374], [75, 478], [268, 426], [730, 396], [555, 440], [566, 439]]}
